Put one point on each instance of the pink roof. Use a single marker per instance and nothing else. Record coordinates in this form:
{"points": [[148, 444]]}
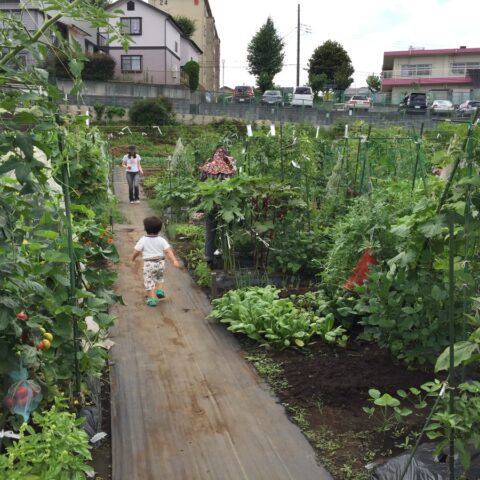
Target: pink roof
{"points": [[442, 51], [426, 80]]}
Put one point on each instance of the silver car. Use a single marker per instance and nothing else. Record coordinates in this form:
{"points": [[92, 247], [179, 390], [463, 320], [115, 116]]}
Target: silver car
{"points": [[467, 108], [272, 97], [442, 107]]}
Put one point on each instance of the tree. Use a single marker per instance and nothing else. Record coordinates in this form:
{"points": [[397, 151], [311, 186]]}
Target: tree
{"points": [[374, 83], [192, 69], [186, 24], [264, 82], [330, 64], [317, 82], [265, 54]]}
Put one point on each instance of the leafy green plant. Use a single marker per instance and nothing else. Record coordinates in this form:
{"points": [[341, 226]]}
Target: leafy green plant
{"points": [[259, 313], [387, 408], [203, 274], [57, 448], [192, 69], [99, 66], [186, 24], [151, 111], [197, 264], [462, 425], [114, 111], [99, 109], [189, 230]]}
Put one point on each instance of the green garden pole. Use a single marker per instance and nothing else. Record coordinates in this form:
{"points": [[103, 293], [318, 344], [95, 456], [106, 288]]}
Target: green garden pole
{"points": [[451, 374], [365, 156], [466, 233], [307, 190], [418, 143], [282, 158], [72, 270], [358, 160], [420, 436]]}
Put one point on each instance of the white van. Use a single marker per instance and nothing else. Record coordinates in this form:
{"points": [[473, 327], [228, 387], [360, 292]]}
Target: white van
{"points": [[302, 97]]}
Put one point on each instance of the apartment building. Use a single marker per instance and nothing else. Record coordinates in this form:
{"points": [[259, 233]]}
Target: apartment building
{"points": [[205, 36], [452, 74]]}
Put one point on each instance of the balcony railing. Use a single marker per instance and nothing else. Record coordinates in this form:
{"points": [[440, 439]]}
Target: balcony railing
{"points": [[434, 73]]}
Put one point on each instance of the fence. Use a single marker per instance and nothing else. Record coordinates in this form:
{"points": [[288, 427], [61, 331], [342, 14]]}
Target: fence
{"points": [[219, 104]]}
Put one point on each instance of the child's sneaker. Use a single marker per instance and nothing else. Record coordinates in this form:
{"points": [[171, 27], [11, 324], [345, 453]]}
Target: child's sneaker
{"points": [[160, 293], [151, 302]]}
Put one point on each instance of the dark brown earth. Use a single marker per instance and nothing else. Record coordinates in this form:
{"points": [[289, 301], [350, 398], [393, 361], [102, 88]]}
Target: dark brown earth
{"points": [[330, 384]]}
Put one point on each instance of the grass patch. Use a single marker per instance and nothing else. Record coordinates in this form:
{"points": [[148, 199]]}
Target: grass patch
{"points": [[269, 369]]}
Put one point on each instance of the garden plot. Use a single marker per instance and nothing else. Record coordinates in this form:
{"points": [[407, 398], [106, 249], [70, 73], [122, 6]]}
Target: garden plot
{"points": [[315, 205]]}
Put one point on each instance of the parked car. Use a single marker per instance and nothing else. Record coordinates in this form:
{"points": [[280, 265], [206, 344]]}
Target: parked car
{"points": [[272, 97], [302, 97], [467, 108], [442, 107], [413, 103], [358, 102], [243, 94]]}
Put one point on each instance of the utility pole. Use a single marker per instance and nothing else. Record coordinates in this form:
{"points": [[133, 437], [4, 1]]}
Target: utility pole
{"points": [[223, 72], [298, 46]]}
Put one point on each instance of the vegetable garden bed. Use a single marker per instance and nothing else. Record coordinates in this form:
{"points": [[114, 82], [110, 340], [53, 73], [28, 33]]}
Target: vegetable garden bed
{"points": [[324, 389], [386, 223]]}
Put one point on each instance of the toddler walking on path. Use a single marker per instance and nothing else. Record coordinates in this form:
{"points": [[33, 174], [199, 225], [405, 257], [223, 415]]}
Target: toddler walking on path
{"points": [[154, 249]]}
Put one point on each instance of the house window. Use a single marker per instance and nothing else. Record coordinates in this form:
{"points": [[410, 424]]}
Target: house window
{"points": [[132, 63], [176, 47], [163, 2], [131, 6], [416, 70], [132, 25], [462, 68]]}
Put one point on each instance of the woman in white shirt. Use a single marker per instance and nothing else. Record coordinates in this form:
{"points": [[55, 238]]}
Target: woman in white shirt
{"points": [[131, 162]]}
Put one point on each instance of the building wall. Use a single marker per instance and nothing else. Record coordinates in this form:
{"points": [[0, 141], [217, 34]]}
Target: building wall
{"points": [[188, 52], [159, 44], [440, 64], [205, 36], [431, 72], [159, 66]]}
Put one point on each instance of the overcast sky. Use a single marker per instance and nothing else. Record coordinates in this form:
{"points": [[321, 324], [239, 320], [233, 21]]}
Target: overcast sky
{"points": [[365, 29]]}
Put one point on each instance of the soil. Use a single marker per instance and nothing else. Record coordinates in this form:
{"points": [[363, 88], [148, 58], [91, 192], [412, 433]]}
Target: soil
{"points": [[327, 386]]}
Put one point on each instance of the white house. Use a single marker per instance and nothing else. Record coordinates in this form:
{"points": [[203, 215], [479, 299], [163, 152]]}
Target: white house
{"points": [[159, 48]]}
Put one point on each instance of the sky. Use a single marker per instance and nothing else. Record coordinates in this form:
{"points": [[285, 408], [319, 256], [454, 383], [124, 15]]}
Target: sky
{"points": [[364, 29]]}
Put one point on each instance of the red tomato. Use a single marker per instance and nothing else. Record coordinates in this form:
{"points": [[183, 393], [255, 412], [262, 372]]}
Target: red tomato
{"points": [[9, 402], [21, 392], [40, 345], [22, 315], [22, 401]]}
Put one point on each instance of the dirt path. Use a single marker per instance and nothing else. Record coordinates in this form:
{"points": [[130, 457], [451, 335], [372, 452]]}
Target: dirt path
{"points": [[185, 404]]}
